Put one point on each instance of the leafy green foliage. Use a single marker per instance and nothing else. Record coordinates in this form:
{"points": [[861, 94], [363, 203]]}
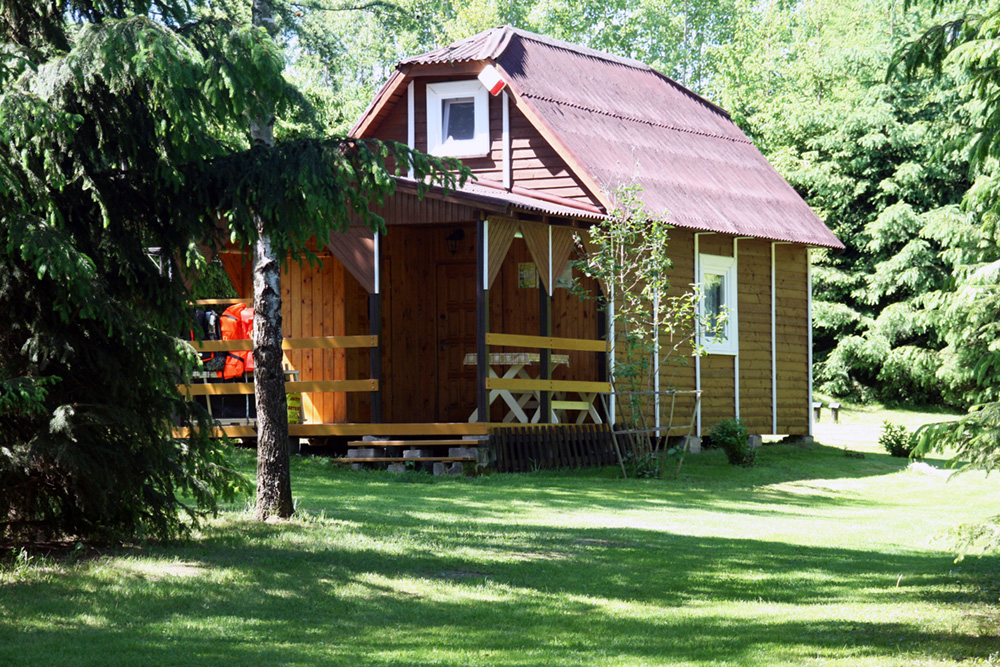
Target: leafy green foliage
{"points": [[732, 437], [885, 164], [897, 440], [627, 254], [341, 57], [964, 42], [642, 465]]}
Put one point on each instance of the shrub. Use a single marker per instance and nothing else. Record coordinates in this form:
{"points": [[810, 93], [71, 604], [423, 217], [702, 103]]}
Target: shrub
{"points": [[897, 440], [642, 465], [732, 436]]}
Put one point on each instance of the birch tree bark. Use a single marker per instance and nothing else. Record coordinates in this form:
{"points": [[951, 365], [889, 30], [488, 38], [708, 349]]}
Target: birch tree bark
{"points": [[274, 486]]}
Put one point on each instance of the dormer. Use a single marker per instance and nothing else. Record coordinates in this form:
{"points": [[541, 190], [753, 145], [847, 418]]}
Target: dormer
{"points": [[458, 119], [467, 111]]}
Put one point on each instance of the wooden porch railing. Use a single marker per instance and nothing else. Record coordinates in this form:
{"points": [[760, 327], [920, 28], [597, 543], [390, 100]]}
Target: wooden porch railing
{"points": [[297, 387], [544, 386], [547, 342], [320, 386]]}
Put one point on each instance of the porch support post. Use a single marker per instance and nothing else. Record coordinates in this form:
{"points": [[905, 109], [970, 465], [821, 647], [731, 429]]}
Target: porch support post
{"points": [[482, 318], [545, 329], [545, 354], [375, 329]]}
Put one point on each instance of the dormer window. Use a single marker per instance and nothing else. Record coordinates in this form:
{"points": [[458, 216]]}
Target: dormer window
{"points": [[458, 119]]}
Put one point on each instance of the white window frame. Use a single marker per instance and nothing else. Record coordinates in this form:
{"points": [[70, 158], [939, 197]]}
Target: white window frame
{"points": [[437, 93], [720, 265]]}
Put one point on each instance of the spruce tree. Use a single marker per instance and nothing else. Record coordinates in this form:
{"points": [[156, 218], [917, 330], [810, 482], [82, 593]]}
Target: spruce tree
{"points": [[124, 125]]}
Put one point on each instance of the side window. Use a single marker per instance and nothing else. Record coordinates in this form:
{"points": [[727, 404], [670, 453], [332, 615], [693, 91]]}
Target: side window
{"points": [[718, 304], [458, 119]]}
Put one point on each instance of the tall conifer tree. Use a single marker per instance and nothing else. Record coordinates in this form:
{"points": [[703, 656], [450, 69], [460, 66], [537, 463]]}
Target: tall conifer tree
{"points": [[123, 126]]}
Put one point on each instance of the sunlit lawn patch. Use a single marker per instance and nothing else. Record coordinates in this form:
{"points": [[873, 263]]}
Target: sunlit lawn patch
{"points": [[811, 557]]}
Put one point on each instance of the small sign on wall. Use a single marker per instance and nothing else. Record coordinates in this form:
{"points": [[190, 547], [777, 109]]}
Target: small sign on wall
{"points": [[565, 279], [527, 276]]}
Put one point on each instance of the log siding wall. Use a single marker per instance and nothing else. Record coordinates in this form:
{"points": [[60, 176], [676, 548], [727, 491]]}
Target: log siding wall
{"points": [[313, 303], [534, 163], [718, 371], [754, 297], [791, 296]]}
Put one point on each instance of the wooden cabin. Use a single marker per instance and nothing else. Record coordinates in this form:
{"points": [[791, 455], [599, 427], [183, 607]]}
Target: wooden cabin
{"points": [[549, 130]]}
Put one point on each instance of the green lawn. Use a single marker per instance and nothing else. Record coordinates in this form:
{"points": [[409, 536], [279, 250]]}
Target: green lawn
{"points": [[813, 557]]}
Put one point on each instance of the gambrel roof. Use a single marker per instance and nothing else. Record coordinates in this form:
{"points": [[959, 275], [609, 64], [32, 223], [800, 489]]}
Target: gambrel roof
{"points": [[617, 121]]}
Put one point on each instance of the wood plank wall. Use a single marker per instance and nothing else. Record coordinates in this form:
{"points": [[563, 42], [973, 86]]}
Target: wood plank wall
{"points": [[678, 370], [410, 335], [753, 283], [791, 296], [534, 163], [718, 375], [313, 303], [754, 314]]}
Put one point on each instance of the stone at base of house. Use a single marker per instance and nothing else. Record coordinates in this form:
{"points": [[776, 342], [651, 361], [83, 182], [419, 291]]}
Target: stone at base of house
{"points": [[690, 444], [799, 440], [373, 438], [755, 442], [448, 469], [462, 451], [397, 467], [357, 466], [367, 453], [414, 453]]}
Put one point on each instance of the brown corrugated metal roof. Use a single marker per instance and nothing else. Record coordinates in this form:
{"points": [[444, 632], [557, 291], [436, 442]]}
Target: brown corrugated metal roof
{"points": [[623, 123]]}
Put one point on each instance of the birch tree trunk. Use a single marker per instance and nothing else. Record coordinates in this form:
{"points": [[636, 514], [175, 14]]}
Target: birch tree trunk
{"points": [[274, 486]]}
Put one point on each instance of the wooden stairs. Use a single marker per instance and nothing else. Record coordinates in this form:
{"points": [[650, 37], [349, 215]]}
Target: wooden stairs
{"points": [[450, 456]]}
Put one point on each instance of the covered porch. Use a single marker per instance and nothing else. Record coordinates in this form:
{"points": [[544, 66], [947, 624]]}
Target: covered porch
{"points": [[456, 323]]}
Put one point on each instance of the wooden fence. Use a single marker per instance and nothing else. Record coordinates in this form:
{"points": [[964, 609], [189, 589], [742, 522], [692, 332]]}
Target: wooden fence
{"points": [[526, 448]]}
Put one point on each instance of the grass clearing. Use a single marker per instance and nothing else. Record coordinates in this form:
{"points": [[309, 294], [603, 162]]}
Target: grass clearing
{"points": [[812, 557]]}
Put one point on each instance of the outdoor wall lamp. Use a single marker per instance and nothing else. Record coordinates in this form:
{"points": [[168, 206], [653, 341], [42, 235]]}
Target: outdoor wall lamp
{"points": [[454, 240]]}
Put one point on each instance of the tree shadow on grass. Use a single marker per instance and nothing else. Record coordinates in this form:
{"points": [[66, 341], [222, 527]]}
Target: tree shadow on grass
{"points": [[498, 594]]}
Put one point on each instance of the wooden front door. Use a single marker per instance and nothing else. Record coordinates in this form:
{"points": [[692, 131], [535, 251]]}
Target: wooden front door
{"points": [[456, 326]]}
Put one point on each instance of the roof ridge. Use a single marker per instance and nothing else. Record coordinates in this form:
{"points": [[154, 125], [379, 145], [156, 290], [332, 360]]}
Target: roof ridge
{"points": [[576, 48], [601, 55], [636, 119]]}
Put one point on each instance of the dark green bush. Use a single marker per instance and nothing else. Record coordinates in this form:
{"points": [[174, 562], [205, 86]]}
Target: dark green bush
{"points": [[897, 440], [732, 436]]}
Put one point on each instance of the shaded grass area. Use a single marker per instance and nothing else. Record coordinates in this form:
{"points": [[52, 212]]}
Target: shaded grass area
{"points": [[810, 558]]}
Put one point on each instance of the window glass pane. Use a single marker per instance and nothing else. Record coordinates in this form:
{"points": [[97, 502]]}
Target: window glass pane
{"points": [[458, 119], [715, 299]]}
